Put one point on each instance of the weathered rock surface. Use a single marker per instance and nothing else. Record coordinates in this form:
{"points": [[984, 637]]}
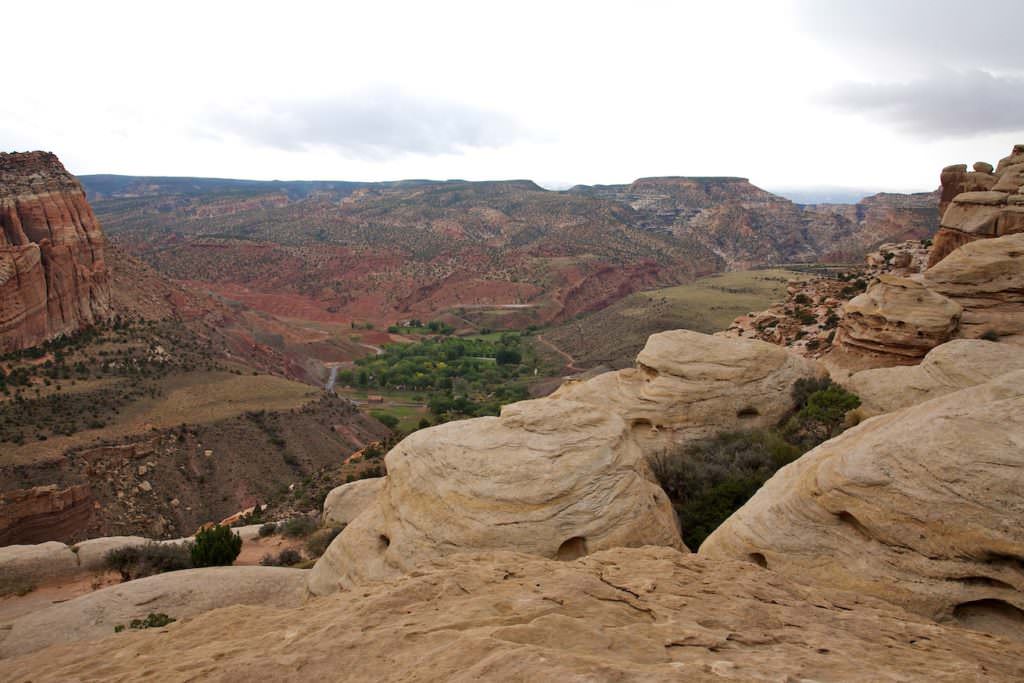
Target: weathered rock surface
{"points": [[44, 513], [955, 365], [37, 563], [648, 614], [53, 278], [899, 319], [178, 594], [689, 385], [979, 205], [986, 278], [344, 503], [554, 478], [921, 507]]}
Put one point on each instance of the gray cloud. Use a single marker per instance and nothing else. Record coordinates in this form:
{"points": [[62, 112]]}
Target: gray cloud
{"points": [[915, 33], [377, 124], [949, 104]]}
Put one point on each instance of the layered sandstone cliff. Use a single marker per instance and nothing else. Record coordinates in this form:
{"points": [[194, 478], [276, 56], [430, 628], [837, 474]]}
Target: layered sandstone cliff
{"points": [[53, 278]]}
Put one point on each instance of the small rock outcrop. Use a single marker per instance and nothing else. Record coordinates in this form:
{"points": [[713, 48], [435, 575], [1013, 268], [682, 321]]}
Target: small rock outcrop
{"points": [[559, 479], [178, 594], [980, 204], [899, 319], [986, 278], [953, 366], [646, 614], [920, 507], [344, 503], [687, 385], [53, 277]]}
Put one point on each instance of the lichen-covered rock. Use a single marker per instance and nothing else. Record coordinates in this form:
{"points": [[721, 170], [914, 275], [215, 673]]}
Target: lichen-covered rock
{"points": [[646, 614], [955, 365], [53, 277], [554, 478], [921, 507], [898, 318], [344, 503], [687, 385], [986, 278]]}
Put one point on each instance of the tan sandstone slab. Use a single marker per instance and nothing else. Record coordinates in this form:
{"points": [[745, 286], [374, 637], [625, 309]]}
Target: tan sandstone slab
{"points": [[921, 507]]}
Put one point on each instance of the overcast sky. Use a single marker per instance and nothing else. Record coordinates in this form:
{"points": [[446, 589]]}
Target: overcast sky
{"points": [[867, 93]]}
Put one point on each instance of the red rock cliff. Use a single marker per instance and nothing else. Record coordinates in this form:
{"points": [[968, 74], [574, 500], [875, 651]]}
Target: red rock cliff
{"points": [[53, 279]]}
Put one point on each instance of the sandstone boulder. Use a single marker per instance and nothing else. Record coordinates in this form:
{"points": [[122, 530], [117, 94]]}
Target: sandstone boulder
{"points": [[346, 502], [955, 365], [687, 385], [178, 594], [36, 564], [921, 507], [91, 553], [554, 478], [648, 614], [986, 278], [899, 319]]}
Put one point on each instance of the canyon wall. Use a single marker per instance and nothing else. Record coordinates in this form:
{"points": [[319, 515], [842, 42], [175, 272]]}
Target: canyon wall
{"points": [[53, 278]]}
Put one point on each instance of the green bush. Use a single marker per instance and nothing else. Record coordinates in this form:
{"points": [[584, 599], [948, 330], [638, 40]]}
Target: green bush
{"points": [[268, 529], [138, 561], [821, 412], [708, 480], [297, 526], [387, 419], [157, 620], [216, 546], [317, 543]]}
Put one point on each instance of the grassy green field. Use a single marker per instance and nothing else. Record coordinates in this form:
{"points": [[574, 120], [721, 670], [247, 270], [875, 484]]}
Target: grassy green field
{"points": [[614, 335]]}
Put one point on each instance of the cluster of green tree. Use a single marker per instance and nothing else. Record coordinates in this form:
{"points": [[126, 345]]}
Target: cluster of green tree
{"points": [[710, 479], [415, 326]]}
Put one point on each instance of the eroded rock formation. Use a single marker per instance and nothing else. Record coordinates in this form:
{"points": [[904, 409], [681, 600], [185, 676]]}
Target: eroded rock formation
{"points": [[986, 278], [687, 385], [559, 479], [980, 204], [898, 318], [920, 507], [44, 513], [955, 365], [649, 614], [53, 278]]}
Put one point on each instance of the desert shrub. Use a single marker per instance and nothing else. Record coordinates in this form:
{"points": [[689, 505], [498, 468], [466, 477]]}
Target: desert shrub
{"points": [[317, 543], [216, 546], [295, 527], [708, 480], [821, 413], [285, 558], [157, 620], [990, 335], [268, 529], [138, 561]]}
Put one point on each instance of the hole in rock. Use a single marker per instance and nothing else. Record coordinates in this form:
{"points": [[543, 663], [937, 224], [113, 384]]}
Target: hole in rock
{"points": [[991, 616], [749, 411], [384, 541], [572, 549], [758, 559], [849, 519]]}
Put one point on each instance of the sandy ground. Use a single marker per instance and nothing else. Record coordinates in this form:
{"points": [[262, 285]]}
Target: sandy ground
{"points": [[13, 606]]}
